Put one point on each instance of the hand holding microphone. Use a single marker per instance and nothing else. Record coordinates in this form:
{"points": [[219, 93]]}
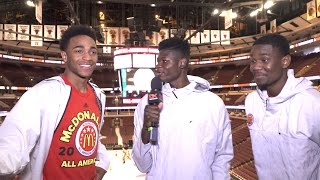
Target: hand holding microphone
{"points": [[152, 112]]}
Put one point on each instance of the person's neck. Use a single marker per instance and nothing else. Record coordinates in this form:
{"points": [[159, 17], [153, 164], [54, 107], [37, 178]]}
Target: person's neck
{"points": [[276, 88], [180, 83], [79, 83]]}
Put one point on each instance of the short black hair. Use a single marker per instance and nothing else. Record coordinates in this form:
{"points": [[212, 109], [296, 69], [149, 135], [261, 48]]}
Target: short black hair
{"points": [[179, 45], [276, 41], [73, 31]]}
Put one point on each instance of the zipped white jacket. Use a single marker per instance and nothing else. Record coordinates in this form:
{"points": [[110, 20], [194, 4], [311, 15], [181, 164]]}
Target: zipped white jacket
{"points": [[26, 133], [194, 141], [285, 132]]}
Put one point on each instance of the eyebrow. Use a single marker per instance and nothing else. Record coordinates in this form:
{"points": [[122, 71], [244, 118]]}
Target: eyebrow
{"points": [[265, 54], [80, 46]]}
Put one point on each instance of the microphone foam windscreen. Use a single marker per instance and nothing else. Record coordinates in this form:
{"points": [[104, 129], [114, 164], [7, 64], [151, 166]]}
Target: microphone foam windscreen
{"points": [[156, 83]]}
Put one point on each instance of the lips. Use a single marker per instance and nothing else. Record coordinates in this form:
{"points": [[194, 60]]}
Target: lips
{"points": [[159, 73], [259, 74]]}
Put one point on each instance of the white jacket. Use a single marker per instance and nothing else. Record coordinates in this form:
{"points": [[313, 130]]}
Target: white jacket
{"points": [[26, 134], [285, 133], [194, 141]]}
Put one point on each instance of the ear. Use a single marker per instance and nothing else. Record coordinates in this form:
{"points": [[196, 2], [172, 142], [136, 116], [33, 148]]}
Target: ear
{"points": [[286, 60], [64, 56], [183, 63]]}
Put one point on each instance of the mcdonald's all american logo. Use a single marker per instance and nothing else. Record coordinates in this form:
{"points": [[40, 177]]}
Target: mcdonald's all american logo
{"points": [[87, 138], [152, 96], [250, 119]]}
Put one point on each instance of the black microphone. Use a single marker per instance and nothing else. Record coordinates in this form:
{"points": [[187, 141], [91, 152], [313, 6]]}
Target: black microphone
{"points": [[154, 98]]}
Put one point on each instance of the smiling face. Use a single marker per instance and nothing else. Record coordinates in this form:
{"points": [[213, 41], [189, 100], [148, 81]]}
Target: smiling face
{"points": [[269, 67], [170, 66], [80, 57]]}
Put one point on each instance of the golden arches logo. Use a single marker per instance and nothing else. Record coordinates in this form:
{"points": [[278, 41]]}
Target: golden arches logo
{"points": [[88, 141]]}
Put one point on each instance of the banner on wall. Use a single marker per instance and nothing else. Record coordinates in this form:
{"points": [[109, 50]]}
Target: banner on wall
{"points": [[49, 31], [11, 35], [195, 39], [311, 10], [215, 36], [37, 31], [38, 11], [225, 37], [60, 30], [228, 19], [124, 35], [113, 36], [205, 36], [25, 29]]}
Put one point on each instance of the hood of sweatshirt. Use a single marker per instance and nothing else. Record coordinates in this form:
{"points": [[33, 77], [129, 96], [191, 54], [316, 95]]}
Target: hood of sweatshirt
{"points": [[197, 84], [292, 87]]}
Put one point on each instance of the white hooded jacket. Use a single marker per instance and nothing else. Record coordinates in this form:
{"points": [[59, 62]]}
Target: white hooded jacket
{"points": [[26, 133], [285, 132], [194, 139]]}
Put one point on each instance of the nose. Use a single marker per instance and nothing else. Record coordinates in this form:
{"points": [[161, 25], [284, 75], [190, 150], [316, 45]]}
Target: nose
{"points": [[256, 66], [158, 65], [86, 56]]}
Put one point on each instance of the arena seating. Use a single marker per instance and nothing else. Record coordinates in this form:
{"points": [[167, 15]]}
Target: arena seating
{"points": [[242, 164], [226, 74], [246, 76]]}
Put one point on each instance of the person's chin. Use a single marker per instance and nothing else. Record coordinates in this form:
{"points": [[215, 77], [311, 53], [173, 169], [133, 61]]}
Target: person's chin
{"points": [[260, 80], [161, 77], [86, 75], [261, 86]]}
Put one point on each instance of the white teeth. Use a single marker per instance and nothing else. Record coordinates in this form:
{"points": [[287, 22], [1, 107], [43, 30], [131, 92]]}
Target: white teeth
{"points": [[85, 65]]}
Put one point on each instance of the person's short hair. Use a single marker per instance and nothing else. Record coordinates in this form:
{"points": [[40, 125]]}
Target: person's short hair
{"points": [[276, 41], [73, 31], [178, 45]]}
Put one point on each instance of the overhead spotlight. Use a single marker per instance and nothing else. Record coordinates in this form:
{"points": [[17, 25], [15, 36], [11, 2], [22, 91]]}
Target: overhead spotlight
{"points": [[153, 5], [30, 3], [268, 4], [254, 13], [215, 11]]}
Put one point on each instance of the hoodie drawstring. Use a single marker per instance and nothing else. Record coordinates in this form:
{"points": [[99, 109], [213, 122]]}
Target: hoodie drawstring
{"points": [[174, 94]]}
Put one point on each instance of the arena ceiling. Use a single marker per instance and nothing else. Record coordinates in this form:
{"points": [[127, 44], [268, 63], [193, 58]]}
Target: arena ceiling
{"points": [[186, 14]]}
